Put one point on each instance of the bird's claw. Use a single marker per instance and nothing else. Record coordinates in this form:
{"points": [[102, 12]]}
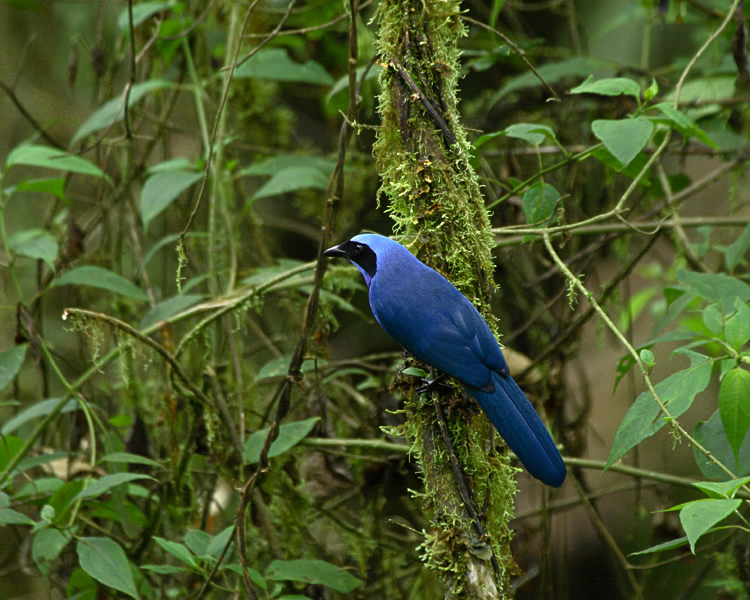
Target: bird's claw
{"points": [[432, 384]]}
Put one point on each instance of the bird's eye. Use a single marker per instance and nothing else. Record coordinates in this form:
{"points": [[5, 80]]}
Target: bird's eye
{"points": [[358, 248]]}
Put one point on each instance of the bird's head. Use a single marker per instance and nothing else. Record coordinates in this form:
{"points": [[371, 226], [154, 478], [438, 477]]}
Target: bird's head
{"points": [[364, 251]]}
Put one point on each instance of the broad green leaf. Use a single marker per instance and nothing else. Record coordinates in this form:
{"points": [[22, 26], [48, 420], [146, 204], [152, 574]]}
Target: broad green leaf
{"points": [[734, 407], [736, 251], [177, 550], [256, 577], [10, 445], [169, 308], [712, 437], [699, 517], [106, 483], [278, 367], [291, 180], [624, 138], [313, 571], [218, 541], [48, 185], [99, 277], [51, 158], [10, 364], [647, 357], [46, 546], [497, 7], [105, 560], [614, 86], [702, 92], [41, 486], [415, 372], [163, 188], [723, 489], [713, 318], [197, 541], [530, 132], [64, 499], [274, 64], [716, 287], [290, 434], [684, 124], [35, 243], [539, 203], [8, 516], [113, 111], [282, 162], [737, 331], [35, 411], [677, 391], [141, 12], [165, 569], [128, 458]]}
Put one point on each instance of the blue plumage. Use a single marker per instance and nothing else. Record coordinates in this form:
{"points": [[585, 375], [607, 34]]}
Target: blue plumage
{"points": [[421, 310]]}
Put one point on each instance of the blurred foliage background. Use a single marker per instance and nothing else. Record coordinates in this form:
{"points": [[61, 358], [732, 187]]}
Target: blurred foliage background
{"points": [[170, 171]]}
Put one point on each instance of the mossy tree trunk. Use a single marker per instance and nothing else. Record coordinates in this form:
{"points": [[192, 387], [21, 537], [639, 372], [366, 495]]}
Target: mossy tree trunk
{"points": [[434, 198]]}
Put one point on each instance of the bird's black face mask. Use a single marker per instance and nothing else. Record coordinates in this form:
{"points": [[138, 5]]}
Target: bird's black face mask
{"points": [[360, 254]]}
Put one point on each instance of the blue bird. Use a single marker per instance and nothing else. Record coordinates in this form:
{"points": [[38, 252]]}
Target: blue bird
{"points": [[421, 310]]}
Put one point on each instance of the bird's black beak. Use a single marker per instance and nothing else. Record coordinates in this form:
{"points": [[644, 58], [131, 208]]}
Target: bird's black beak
{"points": [[336, 252]]}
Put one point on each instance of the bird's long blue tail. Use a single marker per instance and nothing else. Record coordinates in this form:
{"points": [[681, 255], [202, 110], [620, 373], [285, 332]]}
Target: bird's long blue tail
{"points": [[522, 429]]}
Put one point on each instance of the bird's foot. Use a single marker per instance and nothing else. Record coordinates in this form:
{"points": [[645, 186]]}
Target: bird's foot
{"points": [[430, 385]]}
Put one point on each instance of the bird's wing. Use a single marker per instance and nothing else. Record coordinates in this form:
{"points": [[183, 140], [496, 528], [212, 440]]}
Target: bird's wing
{"points": [[436, 323]]}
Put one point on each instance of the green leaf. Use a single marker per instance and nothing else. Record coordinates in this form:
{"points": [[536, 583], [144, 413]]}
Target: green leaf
{"points": [[736, 251], [256, 577], [530, 132], [35, 243], [64, 499], [712, 437], [10, 445], [279, 367], [723, 489], [290, 434], [282, 162], [313, 571], [415, 372], [99, 277], [8, 516], [737, 331], [648, 357], [651, 91], [614, 86], [677, 391], [291, 180], [47, 185], [197, 541], [10, 364], [35, 411], [141, 12], [716, 287], [670, 545], [699, 517], [177, 550], [106, 483], [46, 545], [218, 541], [165, 569], [539, 203], [684, 124], [113, 111], [713, 318], [163, 188], [274, 64], [624, 138], [169, 308], [734, 407], [105, 560], [127, 457], [51, 158]]}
